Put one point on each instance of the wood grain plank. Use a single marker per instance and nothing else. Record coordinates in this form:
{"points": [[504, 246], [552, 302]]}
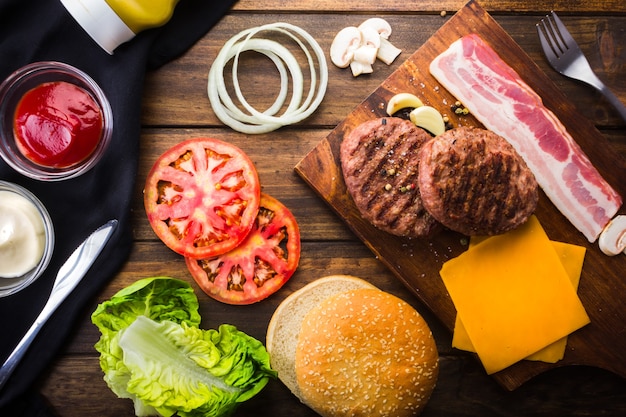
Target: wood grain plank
{"points": [[433, 6], [274, 157], [417, 262], [318, 259], [176, 95], [75, 388], [175, 107]]}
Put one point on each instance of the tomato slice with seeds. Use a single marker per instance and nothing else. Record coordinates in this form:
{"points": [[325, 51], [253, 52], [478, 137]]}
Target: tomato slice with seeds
{"points": [[258, 267], [202, 197]]}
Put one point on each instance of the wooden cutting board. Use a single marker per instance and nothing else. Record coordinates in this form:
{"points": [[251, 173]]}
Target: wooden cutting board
{"points": [[417, 262]]}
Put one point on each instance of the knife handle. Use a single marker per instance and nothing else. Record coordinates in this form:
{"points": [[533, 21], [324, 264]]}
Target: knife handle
{"points": [[18, 353]]}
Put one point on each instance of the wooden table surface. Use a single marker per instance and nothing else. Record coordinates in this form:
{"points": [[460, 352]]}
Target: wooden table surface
{"points": [[175, 108]]}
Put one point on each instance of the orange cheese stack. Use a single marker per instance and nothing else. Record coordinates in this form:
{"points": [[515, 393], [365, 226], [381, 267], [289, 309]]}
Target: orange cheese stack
{"points": [[515, 295]]}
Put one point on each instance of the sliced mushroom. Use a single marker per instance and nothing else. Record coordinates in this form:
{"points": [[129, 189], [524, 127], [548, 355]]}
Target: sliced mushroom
{"points": [[359, 67], [387, 52], [365, 55], [379, 24], [345, 43], [370, 37]]}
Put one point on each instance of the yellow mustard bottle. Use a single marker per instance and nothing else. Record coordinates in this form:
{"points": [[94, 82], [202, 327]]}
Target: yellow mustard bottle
{"points": [[113, 22], [140, 15]]}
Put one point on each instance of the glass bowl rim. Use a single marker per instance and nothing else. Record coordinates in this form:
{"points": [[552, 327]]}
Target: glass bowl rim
{"points": [[49, 71], [32, 275]]}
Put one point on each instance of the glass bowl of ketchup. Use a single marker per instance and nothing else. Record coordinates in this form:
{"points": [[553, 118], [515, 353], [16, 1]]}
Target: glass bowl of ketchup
{"points": [[55, 121]]}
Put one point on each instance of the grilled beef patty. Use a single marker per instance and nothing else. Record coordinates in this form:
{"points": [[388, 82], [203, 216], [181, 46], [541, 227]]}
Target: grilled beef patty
{"points": [[474, 182], [380, 161]]}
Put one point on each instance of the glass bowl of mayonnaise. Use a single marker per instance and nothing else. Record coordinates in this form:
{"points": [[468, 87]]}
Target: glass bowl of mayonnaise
{"points": [[26, 238]]}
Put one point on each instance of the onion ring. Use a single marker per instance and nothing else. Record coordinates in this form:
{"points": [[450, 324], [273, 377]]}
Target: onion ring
{"points": [[245, 118]]}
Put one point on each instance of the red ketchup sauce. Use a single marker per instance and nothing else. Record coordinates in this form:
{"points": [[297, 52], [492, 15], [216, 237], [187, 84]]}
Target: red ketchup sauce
{"points": [[57, 124]]}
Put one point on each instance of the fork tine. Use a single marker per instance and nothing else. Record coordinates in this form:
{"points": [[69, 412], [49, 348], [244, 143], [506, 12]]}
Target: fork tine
{"points": [[545, 44], [566, 57], [566, 38], [555, 35], [547, 38]]}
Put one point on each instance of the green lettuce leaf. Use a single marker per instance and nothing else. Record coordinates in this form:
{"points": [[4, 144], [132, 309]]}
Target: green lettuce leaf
{"points": [[159, 298], [152, 351]]}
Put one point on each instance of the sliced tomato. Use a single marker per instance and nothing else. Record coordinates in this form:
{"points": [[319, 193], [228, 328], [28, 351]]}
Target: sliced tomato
{"points": [[202, 197], [258, 267]]}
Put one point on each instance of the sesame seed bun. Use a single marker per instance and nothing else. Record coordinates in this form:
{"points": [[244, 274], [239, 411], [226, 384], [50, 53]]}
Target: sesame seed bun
{"points": [[284, 327], [354, 352]]}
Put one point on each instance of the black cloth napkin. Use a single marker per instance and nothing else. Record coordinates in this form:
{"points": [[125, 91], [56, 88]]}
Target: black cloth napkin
{"points": [[39, 30]]}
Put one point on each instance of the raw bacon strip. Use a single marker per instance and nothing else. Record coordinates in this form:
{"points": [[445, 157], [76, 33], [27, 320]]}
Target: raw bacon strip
{"points": [[505, 104]]}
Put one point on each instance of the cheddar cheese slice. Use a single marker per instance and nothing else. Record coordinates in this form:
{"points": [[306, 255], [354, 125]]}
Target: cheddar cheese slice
{"points": [[513, 296], [572, 258]]}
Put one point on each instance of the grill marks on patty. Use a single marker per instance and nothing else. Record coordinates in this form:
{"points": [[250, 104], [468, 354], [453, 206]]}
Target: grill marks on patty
{"points": [[409, 184], [380, 161], [474, 182]]}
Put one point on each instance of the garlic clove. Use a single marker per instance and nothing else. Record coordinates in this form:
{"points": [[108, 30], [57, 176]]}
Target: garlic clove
{"points": [[402, 101], [612, 240], [428, 118]]}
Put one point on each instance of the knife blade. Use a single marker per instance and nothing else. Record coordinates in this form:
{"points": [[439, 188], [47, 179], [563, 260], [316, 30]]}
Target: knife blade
{"points": [[68, 277]]}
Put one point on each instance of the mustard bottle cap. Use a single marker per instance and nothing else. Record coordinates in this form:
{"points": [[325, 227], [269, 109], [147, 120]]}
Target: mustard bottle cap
{"points": [[100, 21]]}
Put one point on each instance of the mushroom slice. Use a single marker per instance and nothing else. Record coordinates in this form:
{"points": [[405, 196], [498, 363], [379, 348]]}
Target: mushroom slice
{"points": [[367, 52], [365, 55], [345, 43], [379, 24], [612, 240], [387, 52], [370, 37], [360, 67]]}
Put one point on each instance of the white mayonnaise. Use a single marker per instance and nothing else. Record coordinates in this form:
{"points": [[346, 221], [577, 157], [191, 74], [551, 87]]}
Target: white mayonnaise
{"points": [[22, 235]]}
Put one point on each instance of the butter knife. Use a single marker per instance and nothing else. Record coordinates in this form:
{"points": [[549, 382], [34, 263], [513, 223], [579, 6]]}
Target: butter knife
{"points": [[68, 277]]}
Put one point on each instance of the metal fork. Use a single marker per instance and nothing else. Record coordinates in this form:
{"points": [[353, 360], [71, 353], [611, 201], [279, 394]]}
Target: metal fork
{"points": [[565, 56]]}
